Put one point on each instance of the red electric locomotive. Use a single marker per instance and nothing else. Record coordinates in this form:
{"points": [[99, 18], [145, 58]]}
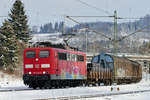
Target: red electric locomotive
{"points": [[52, 67]]}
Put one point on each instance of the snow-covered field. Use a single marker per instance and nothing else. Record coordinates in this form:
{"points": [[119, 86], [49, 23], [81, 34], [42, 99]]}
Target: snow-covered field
{"points": [[140, 96], [9, 82]]}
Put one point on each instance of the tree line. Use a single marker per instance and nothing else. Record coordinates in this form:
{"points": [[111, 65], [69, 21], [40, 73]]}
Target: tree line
{"points": [[105, 27], [50, 28]]}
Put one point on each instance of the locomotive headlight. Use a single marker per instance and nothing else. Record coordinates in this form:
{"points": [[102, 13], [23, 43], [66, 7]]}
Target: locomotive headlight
{"points": [[44, 72], [30, 73], [36, 59]]}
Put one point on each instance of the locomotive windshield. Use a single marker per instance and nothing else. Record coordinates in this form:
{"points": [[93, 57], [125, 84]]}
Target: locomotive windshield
{"points": [[30, 54], [44, 54]]}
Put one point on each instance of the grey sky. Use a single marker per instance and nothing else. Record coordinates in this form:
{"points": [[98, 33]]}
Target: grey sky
{"points": [[43, 11]]}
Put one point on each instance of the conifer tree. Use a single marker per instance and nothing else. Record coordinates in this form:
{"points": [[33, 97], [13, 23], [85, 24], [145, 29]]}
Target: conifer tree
{"points": [[56, 27], [8, 45], [2, 50], [60, 27], [19, 21]]}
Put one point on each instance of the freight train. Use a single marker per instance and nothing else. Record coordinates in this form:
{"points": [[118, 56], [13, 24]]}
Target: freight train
{"points": [[57, 68]]}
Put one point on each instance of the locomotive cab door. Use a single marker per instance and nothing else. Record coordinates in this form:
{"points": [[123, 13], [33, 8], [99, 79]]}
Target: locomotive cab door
{"points": [[29, 56], [29, 60]]}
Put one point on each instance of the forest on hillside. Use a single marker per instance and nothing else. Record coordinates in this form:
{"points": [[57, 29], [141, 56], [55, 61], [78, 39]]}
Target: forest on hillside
{"points": [[105, 27]]}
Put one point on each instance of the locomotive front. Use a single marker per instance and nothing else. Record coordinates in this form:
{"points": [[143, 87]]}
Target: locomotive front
{"points": [[38, 63]]}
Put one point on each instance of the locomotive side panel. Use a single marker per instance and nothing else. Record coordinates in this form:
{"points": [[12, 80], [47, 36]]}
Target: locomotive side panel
{"points": [[71, 65]]}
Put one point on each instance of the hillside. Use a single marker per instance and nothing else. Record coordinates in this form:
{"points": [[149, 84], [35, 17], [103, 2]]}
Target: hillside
{"points": [[105, 27], [96, 42]]}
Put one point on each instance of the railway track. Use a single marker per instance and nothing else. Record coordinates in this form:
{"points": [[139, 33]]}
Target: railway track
{"points": [[95, 95], [9, 90], [24, 89], [80, 96]]}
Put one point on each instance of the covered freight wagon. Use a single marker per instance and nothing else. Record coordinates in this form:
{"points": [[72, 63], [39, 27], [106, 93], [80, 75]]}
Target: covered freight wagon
{"points": [[106, 68]]}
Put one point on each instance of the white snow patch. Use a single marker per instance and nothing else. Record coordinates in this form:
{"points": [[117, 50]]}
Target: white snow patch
{"points": [[50, 37], [9, 80]]}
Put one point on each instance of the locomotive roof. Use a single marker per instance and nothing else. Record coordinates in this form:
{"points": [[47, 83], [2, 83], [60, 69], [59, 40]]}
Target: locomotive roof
{"points": [[62, 50]]}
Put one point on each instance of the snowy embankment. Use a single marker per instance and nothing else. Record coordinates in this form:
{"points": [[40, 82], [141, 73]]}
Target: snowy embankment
{"points": [[10, 82]]}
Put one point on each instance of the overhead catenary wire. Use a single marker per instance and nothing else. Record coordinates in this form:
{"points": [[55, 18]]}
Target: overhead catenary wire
{"points": [[69, 17], [102, 34], [96, 8], [102, 10], [90, 16], [115, 17], [106, 16], [140, 30], [129, 18]]}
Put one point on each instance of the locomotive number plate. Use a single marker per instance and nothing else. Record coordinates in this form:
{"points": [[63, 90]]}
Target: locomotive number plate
{"points": [[45, 65]]}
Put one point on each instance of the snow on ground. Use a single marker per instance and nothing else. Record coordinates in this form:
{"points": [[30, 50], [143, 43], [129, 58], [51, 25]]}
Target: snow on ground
{"points": [[9, 80], [139, 96], [78, 91]]}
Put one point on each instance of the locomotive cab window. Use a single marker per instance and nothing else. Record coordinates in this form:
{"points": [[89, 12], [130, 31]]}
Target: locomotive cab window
{"points": [[44, 54], [30, 54]]}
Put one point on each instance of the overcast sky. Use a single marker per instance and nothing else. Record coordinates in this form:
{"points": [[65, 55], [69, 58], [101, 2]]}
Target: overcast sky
{"points": [[42, 11]]}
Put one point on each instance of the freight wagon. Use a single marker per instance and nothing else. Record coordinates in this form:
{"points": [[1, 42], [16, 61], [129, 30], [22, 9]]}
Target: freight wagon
{"points": [[105, 68]]}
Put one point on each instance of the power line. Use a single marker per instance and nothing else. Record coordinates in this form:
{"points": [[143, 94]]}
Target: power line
{"points": [[115, 17], [140, 30], [102, 34], [115, 27], [105, 17], [102, 10], [91, 6], [129, 18], [90, 16]]}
